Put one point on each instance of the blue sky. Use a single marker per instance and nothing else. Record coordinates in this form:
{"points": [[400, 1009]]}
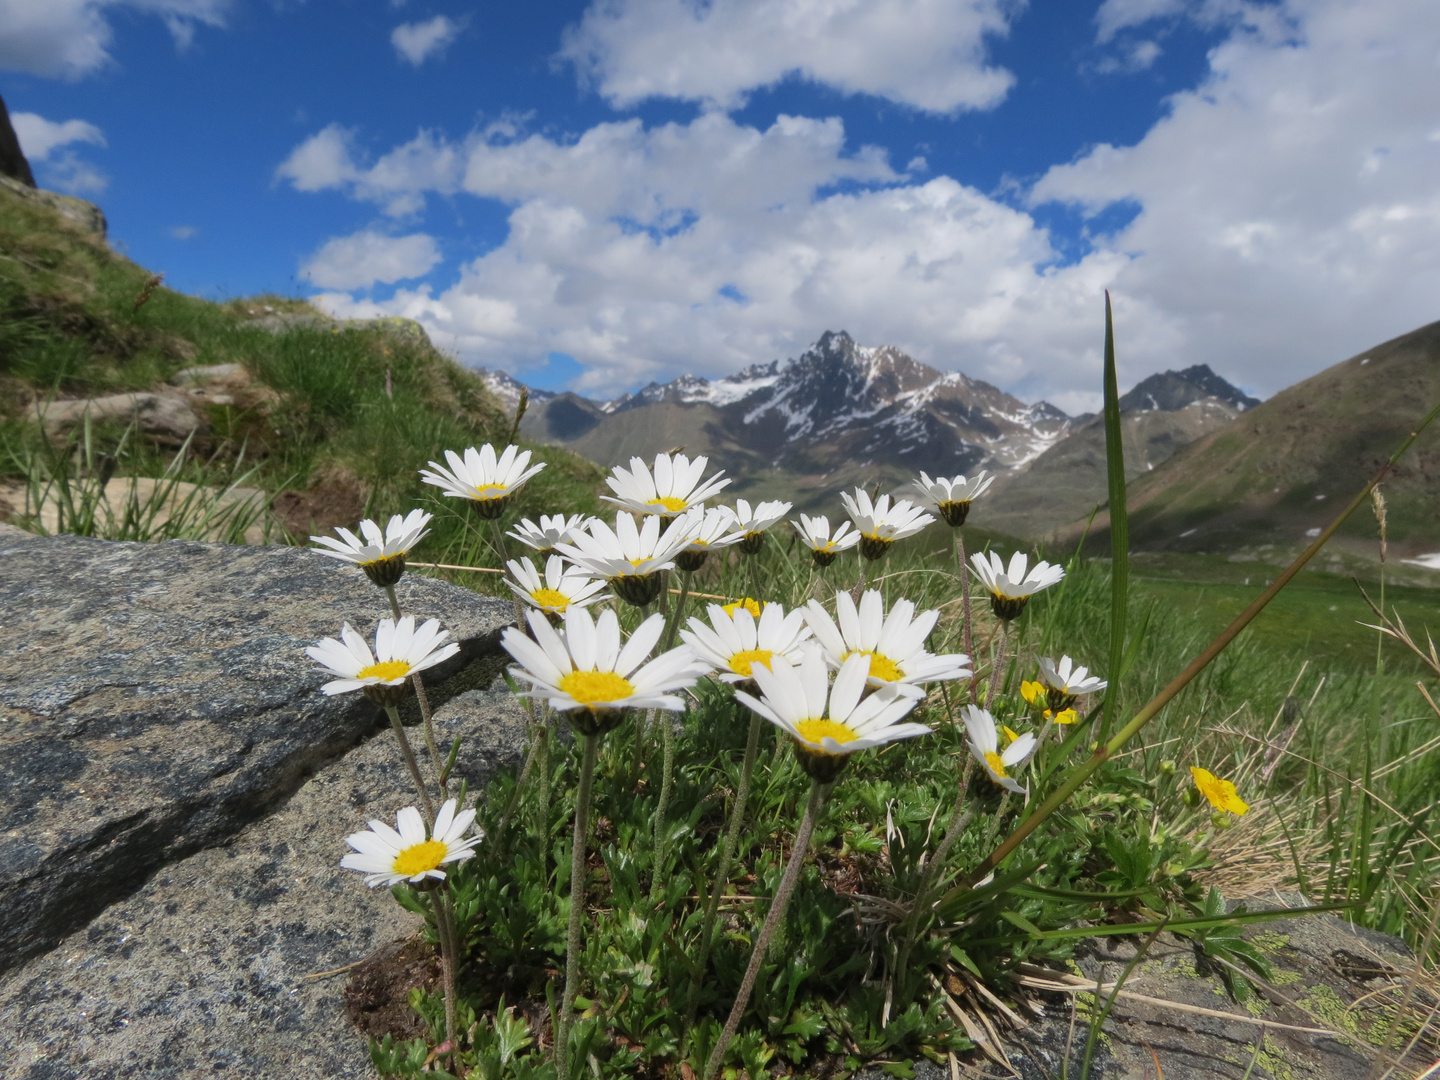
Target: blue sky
{"points": [[597, 195]]}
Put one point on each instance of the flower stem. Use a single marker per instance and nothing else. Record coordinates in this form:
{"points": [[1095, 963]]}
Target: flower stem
{"points": [[864, 575], [1000, 655], [667, 736], [424, 701], [409, 754], [667, 776], [965, 611], [449, 961], [542, 811], [591, 747], [727, 853], [772, 920]]}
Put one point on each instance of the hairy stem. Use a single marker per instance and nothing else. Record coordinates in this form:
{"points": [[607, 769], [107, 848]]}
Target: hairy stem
{"points": [[424, 701], [449, 962], [410, 761], [965, 619], [591, 746], [727, 853], [772, 920], [1000, 656]]}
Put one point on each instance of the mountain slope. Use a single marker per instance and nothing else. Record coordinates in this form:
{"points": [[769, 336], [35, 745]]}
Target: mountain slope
{"points": [[1161, 414], [1283, 468]]}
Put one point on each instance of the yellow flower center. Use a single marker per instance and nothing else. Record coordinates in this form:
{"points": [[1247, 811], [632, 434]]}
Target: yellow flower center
{"points": [[742, 662], [550, 599], [635, 562], [385, 669], [749, 605], [996, 765], [813, 731], [881, 666], [418, 858], [588, 687], [671, 503], [490, 491]]}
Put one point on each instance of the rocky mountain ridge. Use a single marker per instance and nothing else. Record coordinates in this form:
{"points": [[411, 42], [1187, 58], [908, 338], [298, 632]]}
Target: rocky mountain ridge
{"points": [[845, 413]]}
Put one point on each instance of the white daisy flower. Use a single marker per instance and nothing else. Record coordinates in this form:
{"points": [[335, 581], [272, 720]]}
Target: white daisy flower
{"points": [[735, 641], [752, 522], [389, 856], [560, 590], [707, 531], [1012, 586], [1064, 682], [400, 650], [583, 671], [673, 487], [485, 480], [894, 644], [881, 522], [552, 530], [985, 745], [794, 699], [824, 548], [381, 554], [629, 556], [951, 497]]}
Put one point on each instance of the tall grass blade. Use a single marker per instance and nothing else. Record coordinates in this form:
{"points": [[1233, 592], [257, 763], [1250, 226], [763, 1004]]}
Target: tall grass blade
{"points": [[1103, 752], [1119, 527]]}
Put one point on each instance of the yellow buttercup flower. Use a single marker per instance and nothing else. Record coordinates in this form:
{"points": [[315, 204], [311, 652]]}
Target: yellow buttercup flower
{"points": [[1032, 692], [1220, 793]]}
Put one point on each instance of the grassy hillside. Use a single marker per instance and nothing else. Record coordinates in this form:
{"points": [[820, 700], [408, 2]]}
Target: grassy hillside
{"points": [[1280, 469], [334, 420], [1068, 480]]}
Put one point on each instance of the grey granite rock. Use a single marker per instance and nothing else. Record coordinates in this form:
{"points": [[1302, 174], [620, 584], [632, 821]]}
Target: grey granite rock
{"points": [[208, 373], [155, 698], [203, 971], [167, 415]]}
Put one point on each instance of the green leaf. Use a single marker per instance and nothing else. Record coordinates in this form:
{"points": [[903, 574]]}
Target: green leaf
{"points": [[1023, 923]]}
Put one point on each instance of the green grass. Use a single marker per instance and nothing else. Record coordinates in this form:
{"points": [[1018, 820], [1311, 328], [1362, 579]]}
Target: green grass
{"points": [[69, 327], [1133, 839]]}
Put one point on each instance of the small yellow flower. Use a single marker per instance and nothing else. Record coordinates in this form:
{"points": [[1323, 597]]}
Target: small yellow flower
{"points": [[1064, 716], [1032, 692], [1220, 793], [1010, 734]]}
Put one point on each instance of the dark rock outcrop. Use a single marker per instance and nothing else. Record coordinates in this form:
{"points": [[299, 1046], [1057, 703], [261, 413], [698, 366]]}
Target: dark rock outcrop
{"points": [[12, 158], [155, 699], [218, 965]]}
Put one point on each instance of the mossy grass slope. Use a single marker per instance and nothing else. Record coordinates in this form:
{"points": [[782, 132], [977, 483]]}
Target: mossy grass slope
{"points": [[361, 408]]}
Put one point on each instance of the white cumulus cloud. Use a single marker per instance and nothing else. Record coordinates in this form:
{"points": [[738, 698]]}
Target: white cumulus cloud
{"points": [[417, 42], [38, 136], [709, 245], [362, 259], [1289, 214], [71, 38], [929, 54]]}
